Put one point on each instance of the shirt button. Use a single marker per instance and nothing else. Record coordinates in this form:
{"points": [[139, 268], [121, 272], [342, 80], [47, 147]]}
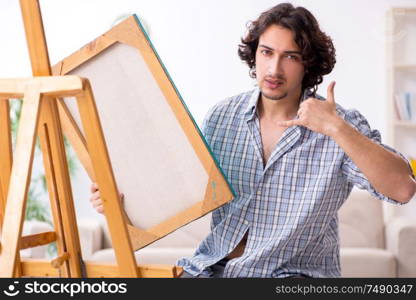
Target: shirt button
{"points": [[246, 222], [258, 192]]}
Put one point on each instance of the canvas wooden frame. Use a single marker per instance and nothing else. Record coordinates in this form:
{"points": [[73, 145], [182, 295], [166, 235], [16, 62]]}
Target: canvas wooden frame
{"points": [[218, 191]]}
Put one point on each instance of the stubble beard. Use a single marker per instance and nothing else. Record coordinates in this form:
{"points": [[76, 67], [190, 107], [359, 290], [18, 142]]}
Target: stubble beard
{"points": [[275, 97]]}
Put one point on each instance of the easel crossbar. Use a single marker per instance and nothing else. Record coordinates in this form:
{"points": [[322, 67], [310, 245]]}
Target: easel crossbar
{"points": [[64, 86], [35, 240], [44, 268]]}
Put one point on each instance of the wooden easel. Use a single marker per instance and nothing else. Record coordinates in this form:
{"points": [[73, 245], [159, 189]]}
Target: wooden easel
{"points": [[40, 117]]}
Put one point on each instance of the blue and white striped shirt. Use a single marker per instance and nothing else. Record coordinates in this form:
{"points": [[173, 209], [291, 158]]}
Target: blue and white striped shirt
{"points": [[288, 207]]}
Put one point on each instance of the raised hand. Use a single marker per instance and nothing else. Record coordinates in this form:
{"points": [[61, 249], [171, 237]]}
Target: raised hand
{"points": [[317, 115]]}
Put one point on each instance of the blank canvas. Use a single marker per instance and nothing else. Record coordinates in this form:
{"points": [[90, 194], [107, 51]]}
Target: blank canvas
{"points": [[160, 159]]}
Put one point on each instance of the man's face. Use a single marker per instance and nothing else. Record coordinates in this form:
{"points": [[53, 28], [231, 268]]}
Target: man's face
{"points": [[279, 67]]}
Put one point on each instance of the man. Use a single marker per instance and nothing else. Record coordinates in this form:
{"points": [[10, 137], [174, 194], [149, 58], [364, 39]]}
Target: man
{"points": [[292, 158]]}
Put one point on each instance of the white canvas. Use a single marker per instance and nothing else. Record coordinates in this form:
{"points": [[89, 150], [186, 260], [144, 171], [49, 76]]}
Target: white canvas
{"points": [[154, 164]]}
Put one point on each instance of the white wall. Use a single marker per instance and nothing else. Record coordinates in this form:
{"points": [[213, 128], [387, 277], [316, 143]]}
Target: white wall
{"points": [[197, 40]]}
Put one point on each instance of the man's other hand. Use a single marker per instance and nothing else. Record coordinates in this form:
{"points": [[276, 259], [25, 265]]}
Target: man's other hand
{"points": [[96, 201]]}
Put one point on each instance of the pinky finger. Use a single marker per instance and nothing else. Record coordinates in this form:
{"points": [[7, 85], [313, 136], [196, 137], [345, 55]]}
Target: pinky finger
{"points": [[100, 209]]}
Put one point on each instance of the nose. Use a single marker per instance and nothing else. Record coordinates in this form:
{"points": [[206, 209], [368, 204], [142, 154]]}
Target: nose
{"points": [[275, 66]]}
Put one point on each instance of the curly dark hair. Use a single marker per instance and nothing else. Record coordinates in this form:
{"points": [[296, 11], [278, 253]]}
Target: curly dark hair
{"points": [[318, 52]]}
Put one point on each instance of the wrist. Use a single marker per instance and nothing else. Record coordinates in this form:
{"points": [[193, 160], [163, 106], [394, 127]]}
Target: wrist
{"points": [[338, 125]]}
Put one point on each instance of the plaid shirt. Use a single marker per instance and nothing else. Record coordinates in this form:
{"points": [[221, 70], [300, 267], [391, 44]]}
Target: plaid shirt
{"points": [[289, 207]]}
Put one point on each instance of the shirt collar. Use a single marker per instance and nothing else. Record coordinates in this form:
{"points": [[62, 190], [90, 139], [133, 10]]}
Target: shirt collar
{"points": [[254, 99], [252, 104]]}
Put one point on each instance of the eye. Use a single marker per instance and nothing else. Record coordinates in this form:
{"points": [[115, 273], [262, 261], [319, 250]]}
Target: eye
{"points": [[292, 57], [266, 52]]}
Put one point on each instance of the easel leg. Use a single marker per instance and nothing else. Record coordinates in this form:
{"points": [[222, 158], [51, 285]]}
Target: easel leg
{"points": [[6, 162], [57, 175], [59, 187], [105, 179], [53, 197], [21, 173], [5, 154]]}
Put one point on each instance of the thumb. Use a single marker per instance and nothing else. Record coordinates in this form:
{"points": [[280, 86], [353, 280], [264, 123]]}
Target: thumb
{"points": [[330, 92]]}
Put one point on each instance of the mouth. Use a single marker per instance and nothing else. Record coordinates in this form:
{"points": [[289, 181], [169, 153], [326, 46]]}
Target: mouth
{"points": [[273, 84]]}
